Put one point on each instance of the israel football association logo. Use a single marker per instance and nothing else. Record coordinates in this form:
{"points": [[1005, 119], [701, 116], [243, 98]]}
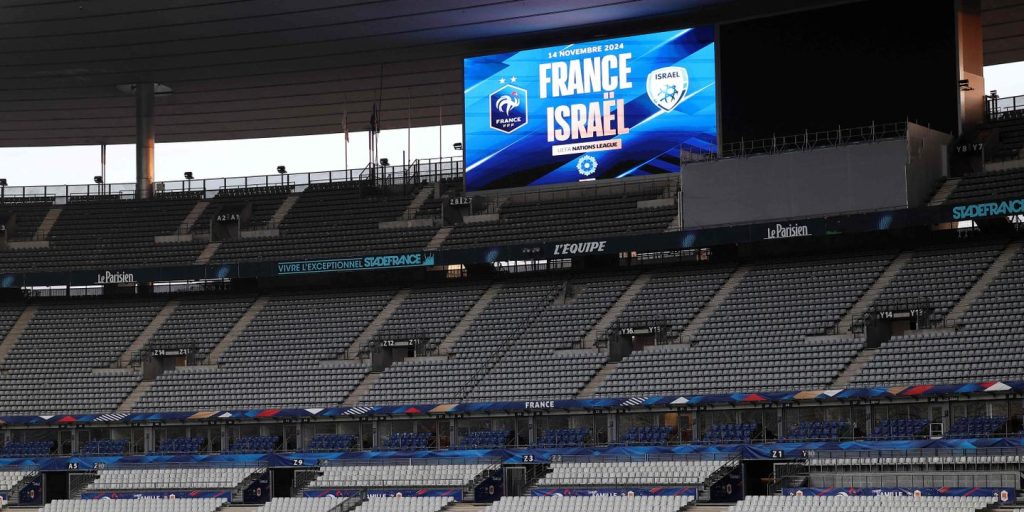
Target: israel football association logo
{"points": [[667, 86], [508, 108]]}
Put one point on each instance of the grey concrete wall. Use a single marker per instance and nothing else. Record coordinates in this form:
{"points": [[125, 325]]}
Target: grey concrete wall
{"points": [[859, 177]]}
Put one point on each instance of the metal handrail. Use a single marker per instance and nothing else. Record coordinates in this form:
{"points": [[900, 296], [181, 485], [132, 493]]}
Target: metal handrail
{"points": [[424, 170], [1010, 107], [349, 504], [784, 471], [864, 455], [652, 457], [451, 168], [805, 141], [432, 461]]}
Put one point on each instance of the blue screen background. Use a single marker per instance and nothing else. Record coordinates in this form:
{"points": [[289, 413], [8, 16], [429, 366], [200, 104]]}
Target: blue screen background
{"points": [[495, 159]]}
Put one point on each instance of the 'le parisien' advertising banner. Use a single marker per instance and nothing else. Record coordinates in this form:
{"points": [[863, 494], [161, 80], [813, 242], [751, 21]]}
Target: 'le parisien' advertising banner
{"points": [[589, 111]]}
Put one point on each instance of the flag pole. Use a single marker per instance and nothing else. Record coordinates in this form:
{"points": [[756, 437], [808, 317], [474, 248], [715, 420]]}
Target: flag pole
{"points": [[408, 128]]}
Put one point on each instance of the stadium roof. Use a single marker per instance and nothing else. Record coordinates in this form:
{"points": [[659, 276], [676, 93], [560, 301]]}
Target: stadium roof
{"points": [[264, 68]]}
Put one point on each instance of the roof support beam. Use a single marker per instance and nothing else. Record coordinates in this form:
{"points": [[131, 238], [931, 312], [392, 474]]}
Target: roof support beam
{"points": [[144, 140]]}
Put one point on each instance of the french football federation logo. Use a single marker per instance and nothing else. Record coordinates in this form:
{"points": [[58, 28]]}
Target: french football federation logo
{"points": [[509, 108], [666, 87]]}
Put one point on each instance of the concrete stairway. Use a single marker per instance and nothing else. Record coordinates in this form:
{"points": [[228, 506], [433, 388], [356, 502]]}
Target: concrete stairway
{"points": [[861, 306], [378, 322], [80, 483], [136, 395], [283, 209], [225, 343], [943, 192], [598, 379], [417, 202], [190, 219], [677, 221], [998, 265], [16, 330], [445, 347], [360, 391], [208, 251], [147, 334], [16, 488], [615, 311], [676, 224], [716, 300], [439, 238], [237, 495], [184, 232], [854, 368], [43, 231]]}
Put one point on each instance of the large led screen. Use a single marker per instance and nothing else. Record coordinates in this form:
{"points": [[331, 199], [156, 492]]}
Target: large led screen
{"points": [[589, 111]]}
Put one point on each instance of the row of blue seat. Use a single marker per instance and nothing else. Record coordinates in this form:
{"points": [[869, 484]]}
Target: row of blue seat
{"points": [[561, 437], [817, 431], [485, 439], [976, 426], [730, 433], [254, 444], [899, 429], [647, 435], [568, 437], [27, 449], [105, 447], [407, 441], [331, 443], [181, 445]]}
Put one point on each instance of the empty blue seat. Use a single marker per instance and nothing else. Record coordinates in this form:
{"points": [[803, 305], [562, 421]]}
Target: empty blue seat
{"points": [[976, 426], [407, 441], [105, 447], [903, 428], [564, 437], [817, 431], [181, 445], [331, 443], [485, 439], [28, 449], [650, 436], [731, 433], [254, 444]]}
